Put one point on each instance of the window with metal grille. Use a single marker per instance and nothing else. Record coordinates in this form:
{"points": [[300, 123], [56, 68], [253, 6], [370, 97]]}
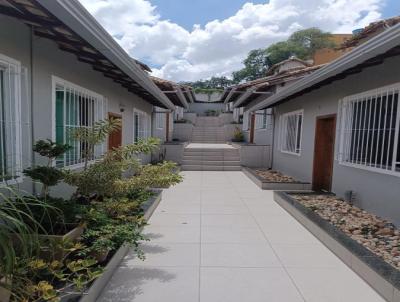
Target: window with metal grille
{"points": [[75, 107], [370, 130], [263, 119], [141, 128], [159, 118], [291, 125], [10, 120]]}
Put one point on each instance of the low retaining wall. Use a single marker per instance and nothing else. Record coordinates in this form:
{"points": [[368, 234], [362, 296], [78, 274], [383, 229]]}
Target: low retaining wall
{"points": [[183, 132], [384, 278], [254, 156], [277, 186], [173, 151]]}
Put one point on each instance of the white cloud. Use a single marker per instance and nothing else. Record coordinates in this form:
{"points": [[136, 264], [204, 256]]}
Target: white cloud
{"points": [[220, 46]]}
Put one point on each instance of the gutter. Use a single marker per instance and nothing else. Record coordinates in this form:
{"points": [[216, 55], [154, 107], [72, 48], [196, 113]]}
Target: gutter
{"points": [[370, 49], [79, 20]]}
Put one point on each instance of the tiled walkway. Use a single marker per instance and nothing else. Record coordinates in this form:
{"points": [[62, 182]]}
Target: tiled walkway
{"points": [[216, 237]]}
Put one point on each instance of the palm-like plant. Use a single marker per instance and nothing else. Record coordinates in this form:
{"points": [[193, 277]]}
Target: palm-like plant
{"points": [[92, 136]]}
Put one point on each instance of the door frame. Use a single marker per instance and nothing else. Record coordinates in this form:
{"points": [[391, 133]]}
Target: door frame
{"points": [[117, 116], [318, 118]]}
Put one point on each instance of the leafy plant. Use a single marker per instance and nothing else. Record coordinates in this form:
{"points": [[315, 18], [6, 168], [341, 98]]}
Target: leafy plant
{"points": [[47, 175], [150, 176], [36, 279], [100, 178], [238, 135], [18, 229], [89, 137]]}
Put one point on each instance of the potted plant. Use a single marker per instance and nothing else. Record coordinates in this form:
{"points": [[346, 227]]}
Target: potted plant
{"points": [[238, 135]]}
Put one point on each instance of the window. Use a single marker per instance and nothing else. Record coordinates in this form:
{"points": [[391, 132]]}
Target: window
{"points": [[246, 121], [291, 125], [140, 125], [370, 130], [263, 119], [75, 107], [159, 118], [10, 120]]}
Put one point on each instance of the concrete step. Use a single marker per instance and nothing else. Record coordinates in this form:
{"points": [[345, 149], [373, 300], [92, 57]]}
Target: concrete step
{"points": [[211, 157], [209, 168], [206, 162]]}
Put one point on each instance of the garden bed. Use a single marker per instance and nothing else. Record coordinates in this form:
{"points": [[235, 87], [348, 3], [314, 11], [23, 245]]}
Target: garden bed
{"points": [[366, 243], [273, 180], [99, 284]]}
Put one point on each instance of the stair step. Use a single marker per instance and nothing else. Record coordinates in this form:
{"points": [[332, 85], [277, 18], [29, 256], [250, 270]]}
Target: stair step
{"points": [[209, 168]]}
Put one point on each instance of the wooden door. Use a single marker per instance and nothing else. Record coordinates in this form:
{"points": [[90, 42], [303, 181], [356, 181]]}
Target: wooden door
{"points": [[115, 138], [324, 153]]}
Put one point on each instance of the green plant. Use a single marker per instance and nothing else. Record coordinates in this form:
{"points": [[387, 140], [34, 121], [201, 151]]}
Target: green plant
{"points": [[150, 176], [95, 135], [35, 279], [47, 175], [100, 177], [18, 229], [238, 135]]}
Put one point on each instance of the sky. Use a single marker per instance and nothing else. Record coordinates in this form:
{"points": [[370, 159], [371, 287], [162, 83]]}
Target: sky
{"points": [[188, 40]]}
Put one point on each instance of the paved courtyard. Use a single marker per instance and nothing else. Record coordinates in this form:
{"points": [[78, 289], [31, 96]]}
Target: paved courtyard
{"points": [[217, 237]]}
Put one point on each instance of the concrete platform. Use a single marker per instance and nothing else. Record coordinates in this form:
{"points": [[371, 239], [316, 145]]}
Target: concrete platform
{"points": [[217, 237]]}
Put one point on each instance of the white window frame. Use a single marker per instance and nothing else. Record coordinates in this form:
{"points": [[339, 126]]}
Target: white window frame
{"points": [[12, 68], [101, 115], [346, 119], [283, 132], [147, 131]]}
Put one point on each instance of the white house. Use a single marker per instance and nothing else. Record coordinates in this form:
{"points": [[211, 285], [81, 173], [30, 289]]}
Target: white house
{"points": [[339, 127], [59, 69]]}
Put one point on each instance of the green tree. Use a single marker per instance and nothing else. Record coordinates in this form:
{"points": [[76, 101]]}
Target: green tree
{"points": [[301, 44], [256, 65]]}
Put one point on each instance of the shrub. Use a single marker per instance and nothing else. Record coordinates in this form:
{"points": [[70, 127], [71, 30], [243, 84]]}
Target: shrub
{"points": [[238, 135], [47, 175]]}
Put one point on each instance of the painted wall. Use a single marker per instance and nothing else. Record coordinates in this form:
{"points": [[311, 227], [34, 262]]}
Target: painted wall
{"points": [[48, 60], [375, 192], [201, 108]]}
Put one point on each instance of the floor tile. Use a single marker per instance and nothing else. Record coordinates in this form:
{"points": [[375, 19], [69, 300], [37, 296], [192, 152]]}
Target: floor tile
{"points": [[332, 285], [306, 256], [170, 254], [238, 255], [151, 284], [214, 234], [164, 219], [173, 234], [247, 285], [238, 220]]}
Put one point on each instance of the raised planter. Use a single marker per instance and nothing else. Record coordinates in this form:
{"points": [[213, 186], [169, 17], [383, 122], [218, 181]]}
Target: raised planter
{"points": [[100, 283], [380, 275], [277, 186]]}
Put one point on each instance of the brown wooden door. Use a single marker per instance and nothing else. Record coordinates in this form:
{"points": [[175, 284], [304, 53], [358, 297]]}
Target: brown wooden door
{"points": [[115, 138], [324, 153]]}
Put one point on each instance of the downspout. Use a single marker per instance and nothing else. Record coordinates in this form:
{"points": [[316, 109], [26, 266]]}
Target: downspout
{"points": [[273, 136], [33, 159]]}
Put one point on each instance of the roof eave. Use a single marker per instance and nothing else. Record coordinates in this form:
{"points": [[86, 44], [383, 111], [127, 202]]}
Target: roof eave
{"points": [[76, 17], [377, 45]]}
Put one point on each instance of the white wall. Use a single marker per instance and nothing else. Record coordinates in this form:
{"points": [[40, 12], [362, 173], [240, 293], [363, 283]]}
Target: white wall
{"points": [[49, 61], [375, 192]]}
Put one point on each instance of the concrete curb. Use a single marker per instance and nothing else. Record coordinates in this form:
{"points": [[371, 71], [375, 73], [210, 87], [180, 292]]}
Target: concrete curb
{"points": [[277, 186], [380, 275]]}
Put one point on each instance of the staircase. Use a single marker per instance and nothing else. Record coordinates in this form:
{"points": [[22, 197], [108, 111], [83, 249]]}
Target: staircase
{"points": [[208, 130], [209, 151], [211, 159]]}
